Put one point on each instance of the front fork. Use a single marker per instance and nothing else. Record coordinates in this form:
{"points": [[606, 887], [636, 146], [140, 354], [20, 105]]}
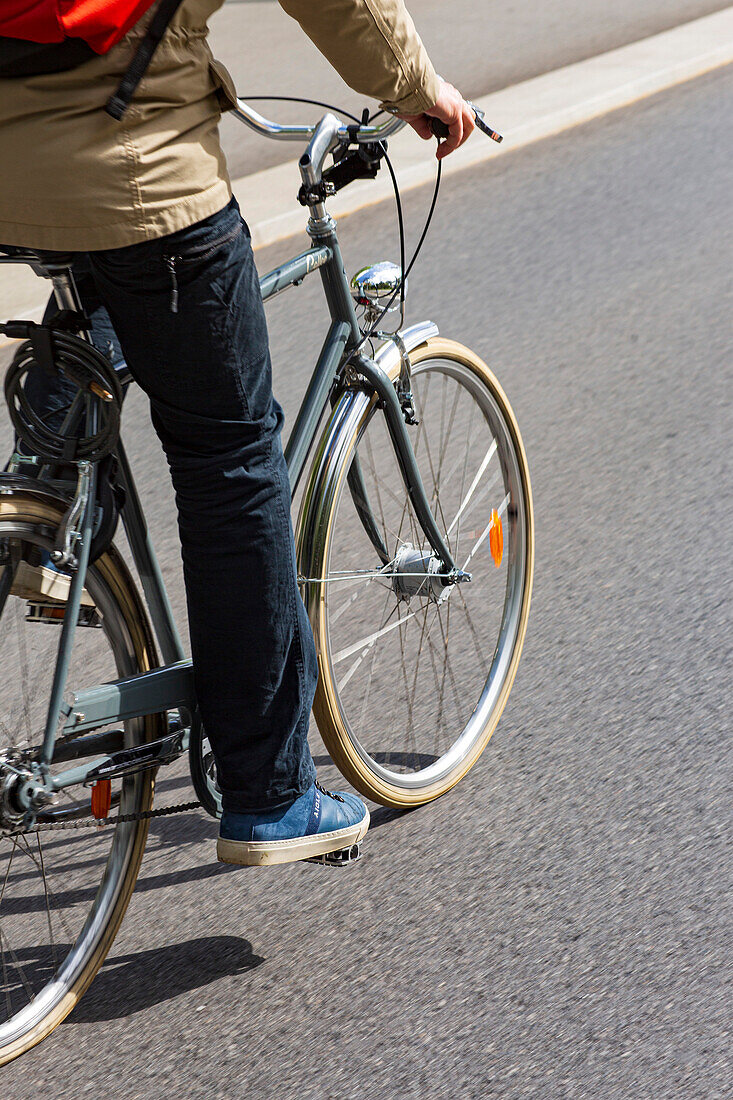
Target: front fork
{"points": [[389, 400]]}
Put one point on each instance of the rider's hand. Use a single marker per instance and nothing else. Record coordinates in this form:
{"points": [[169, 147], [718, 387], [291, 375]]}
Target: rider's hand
{"points": [[452, 109]]}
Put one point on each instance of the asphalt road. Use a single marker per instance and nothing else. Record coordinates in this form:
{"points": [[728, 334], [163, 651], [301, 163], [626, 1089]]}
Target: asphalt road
{"points": [[480, 47], [556, 926]]}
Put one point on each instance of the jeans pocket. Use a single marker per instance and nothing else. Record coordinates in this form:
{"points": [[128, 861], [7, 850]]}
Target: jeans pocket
{"points": [[184, 256]]}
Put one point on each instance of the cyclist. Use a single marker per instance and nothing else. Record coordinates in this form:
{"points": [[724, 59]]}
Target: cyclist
{"points": [[167, 274]]}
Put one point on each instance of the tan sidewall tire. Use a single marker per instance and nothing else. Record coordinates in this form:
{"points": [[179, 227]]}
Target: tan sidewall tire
{"points": [[325, 707], [47, 513]]}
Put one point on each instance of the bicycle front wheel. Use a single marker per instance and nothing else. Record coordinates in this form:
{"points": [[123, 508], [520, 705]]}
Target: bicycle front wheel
{"points": [[62, 893], [413, 679]]}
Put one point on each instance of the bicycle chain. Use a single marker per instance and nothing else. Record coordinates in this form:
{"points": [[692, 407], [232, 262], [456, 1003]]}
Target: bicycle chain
{"points": [[101, 823]]}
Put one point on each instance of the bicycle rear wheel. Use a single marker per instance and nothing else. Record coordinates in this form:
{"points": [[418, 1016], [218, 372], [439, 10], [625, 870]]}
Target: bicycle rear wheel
{"points": [[62, 894], [413, 679]]}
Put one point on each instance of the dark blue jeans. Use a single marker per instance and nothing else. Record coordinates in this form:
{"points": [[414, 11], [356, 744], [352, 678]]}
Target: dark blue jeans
{"points": [[188, 315]]}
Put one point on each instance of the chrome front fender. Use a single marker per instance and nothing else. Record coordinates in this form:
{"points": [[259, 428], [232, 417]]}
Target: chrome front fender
{"points": [[388, 355]]}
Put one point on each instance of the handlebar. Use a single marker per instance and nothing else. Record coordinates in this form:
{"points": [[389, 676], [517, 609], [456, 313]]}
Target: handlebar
{"points": [[327, 136], [266, 128]]}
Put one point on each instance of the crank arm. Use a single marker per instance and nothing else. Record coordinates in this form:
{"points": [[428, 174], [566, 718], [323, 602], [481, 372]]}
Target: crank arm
{"points": [[111, 741], [142, 757]]}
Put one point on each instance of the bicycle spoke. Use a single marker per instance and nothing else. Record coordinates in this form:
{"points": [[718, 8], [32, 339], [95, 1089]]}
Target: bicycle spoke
{"points": [[377, 487], [24, 848], [380, 484], [474, 484], [361, 580], [4, 934], [444, 448], [424, 637], [474, 635], [451, 677], [403, 672], [439, 674], [479, 498], [467, 457], [6, 982], [7, 873], [417, 661], [436, 483], [16, 963], [347, 604], [374, 657], [369, 639], [365, 644], [6, 730], [48, 907], [443, 673]]}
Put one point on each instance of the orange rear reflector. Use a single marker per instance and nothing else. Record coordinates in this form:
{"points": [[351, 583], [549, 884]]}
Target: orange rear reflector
{"points": [[496, 537], [101, 798], [100, 391]]}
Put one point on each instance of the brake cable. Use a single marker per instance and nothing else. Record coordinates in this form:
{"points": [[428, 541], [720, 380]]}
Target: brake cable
{"points": [[372, 331], [440, 130]]}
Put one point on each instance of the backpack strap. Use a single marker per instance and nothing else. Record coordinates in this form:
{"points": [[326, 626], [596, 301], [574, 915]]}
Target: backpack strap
{"points": [[118, 103]]}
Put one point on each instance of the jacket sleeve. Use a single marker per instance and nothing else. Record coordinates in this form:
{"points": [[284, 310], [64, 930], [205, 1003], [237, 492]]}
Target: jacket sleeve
{"points": [[374, 46]]}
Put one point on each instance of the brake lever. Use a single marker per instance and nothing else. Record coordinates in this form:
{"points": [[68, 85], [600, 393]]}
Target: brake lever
{"points": [[478, 114], [440, 129]]}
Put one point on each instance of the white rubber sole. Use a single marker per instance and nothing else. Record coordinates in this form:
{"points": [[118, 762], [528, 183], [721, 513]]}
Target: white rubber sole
{"points": [[264, 853]]}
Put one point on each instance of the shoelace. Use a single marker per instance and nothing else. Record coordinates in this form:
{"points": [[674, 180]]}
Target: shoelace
{"points": [[330, 794]]}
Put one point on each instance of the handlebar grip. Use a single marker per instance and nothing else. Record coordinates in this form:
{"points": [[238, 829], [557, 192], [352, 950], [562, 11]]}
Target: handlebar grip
{"points": [[440, 129]]}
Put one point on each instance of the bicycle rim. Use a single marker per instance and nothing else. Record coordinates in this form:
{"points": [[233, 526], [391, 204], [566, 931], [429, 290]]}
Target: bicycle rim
{"points": [[411, 689], [63, 894]]}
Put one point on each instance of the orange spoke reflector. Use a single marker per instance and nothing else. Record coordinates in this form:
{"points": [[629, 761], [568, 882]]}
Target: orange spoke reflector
{"points": [[496, 537], [101, 798]]}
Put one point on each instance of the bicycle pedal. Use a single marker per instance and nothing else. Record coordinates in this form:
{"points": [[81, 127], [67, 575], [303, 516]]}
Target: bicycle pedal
{"points": [[37, 612], [341, 858]]}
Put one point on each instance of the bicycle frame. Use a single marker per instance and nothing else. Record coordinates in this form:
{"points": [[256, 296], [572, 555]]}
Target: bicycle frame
{"points": [[171, 686]]}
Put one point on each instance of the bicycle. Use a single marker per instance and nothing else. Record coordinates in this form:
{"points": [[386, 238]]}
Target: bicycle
{"points": [[415, 560]]}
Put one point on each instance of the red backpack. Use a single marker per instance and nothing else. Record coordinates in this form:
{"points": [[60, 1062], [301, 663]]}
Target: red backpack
{"points": [[45, 36]]}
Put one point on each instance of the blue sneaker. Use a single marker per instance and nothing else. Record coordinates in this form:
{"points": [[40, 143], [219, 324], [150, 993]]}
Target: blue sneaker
{"points": [[316, 823]]}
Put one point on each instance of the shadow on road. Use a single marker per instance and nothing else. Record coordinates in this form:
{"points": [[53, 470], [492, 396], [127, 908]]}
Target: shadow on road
{"points": [[384, 814], [130, 983]]}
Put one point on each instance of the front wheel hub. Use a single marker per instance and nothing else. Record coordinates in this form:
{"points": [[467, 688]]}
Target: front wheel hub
{"points": [[419, 573]]}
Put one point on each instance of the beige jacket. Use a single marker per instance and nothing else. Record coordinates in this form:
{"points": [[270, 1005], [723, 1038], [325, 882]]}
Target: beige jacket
{"points": [[72, 178]]}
